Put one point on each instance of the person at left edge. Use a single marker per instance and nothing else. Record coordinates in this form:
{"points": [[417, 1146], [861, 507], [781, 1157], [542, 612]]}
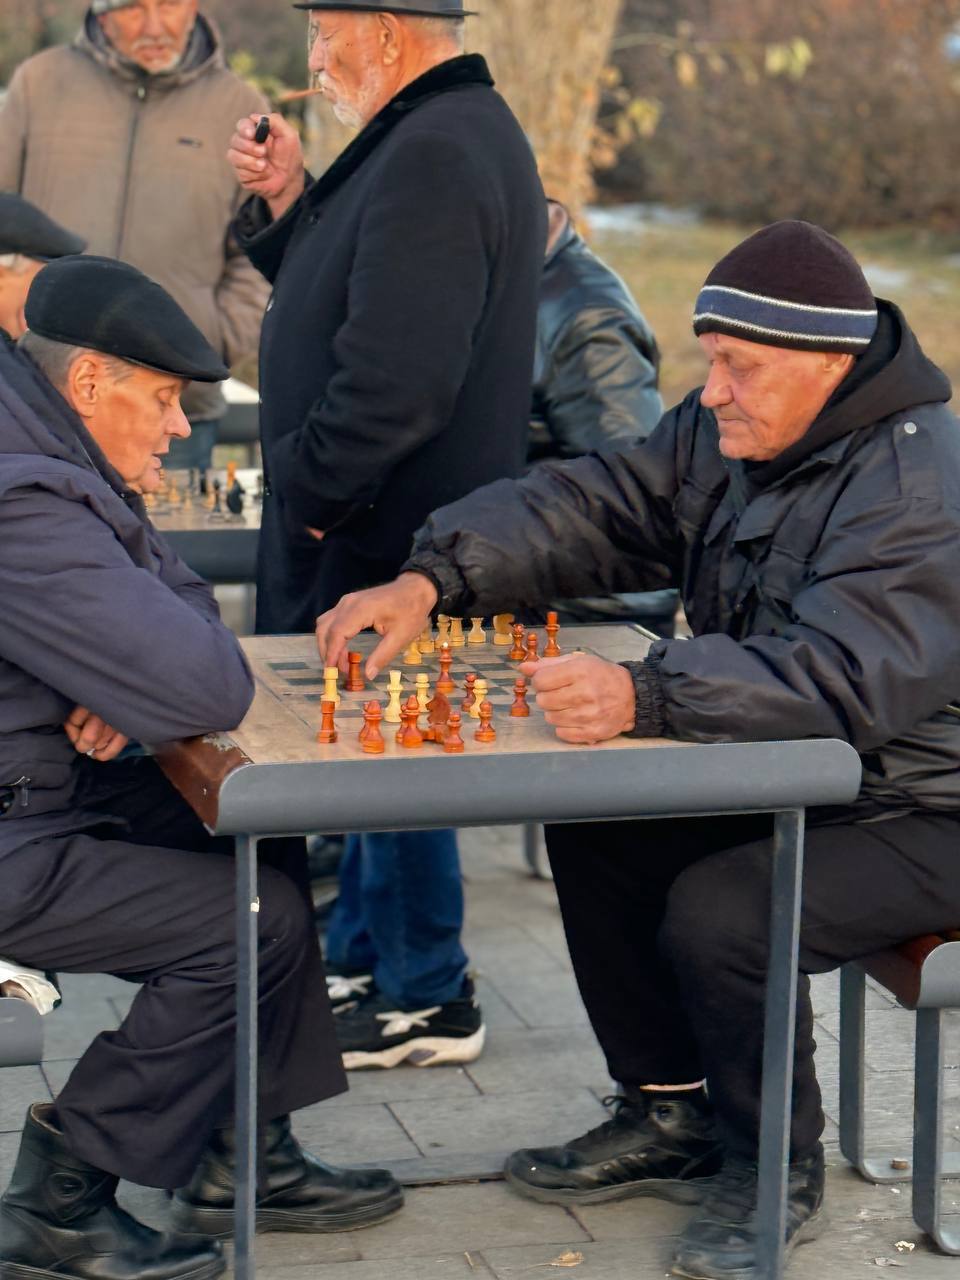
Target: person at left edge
{"points": [[28, 239], [396, 365], [120, 135], [106, 636]]}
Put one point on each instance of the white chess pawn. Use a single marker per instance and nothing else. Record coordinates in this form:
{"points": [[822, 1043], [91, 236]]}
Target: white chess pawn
{"points": [[443, 631], [457, 638], [423, 690], [330, 691], [393, 713], [477, 634], [480, 695]]}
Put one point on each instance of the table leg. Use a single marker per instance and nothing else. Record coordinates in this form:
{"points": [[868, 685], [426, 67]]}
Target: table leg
{"points": [[245, 1105], [778, 1043]]}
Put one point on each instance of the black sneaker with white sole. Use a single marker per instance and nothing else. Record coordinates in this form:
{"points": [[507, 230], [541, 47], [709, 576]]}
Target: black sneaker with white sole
{"points": [[346, 990], [373, 1033]]}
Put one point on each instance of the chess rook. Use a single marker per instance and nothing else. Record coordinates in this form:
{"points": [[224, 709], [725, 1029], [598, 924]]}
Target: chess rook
{"points": [[327, 732]]}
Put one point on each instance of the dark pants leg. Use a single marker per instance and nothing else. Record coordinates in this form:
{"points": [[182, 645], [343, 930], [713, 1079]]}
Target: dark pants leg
{"points": [[144, 1099], [668, 929]]}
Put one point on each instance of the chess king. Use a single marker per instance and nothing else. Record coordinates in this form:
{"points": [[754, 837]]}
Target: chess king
{"points": [[107, 636], [806, 502]]}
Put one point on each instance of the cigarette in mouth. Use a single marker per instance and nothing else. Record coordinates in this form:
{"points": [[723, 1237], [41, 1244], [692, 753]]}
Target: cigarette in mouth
{"points": [[295, 95]]}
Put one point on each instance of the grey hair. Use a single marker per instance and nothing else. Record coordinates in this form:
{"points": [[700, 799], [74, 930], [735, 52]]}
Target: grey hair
{"points": [[55, 359], [17, 263], [448, 30]]}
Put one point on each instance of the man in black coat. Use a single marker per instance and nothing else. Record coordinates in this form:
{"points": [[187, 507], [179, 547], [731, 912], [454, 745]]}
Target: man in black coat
{"points": [[396, 361], [108, 636], [806, 501]]}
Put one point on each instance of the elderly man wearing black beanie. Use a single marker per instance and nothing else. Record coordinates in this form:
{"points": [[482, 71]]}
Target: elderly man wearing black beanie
{"points": [[806, 502]]}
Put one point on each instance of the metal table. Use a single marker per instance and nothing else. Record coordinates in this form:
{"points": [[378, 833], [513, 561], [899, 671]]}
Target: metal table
{"points": [[221, 551], [270, 777]]}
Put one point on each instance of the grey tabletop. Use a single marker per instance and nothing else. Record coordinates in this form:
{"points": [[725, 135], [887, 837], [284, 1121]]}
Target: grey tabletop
{"points": [[271, 776]]}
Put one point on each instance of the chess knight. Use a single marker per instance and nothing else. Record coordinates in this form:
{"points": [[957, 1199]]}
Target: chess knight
{"points": [[806, 502]]}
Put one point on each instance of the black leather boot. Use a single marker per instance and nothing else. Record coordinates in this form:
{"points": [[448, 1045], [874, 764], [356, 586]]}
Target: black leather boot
{"points": [[720, 1243], [59, 1218], [303, 1193], [656, 1144]]}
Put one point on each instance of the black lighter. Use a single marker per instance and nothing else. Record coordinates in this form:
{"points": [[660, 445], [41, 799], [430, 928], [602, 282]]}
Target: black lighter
{"points": [[263, 130]]}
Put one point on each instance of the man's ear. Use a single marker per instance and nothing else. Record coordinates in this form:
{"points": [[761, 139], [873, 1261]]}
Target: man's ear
{"points": [[390, 38], [85, 379], [838, 363]]}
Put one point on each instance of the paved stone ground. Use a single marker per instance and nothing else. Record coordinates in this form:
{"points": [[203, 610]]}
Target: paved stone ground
{"points": [[445, 1131]]}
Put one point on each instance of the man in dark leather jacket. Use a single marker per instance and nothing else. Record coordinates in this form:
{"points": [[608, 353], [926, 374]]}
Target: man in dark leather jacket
{"points": [[108, 636], [594, 387], [806, 501]]}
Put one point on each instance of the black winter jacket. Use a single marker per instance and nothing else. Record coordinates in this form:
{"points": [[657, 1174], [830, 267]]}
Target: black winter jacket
{"points": [[97, 610], [397, 349], [822, 587], [596, 362]]}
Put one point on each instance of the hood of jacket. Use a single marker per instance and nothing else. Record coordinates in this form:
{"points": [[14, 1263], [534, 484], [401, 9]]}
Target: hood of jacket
{"points": [[892, 375], [204, 52]]}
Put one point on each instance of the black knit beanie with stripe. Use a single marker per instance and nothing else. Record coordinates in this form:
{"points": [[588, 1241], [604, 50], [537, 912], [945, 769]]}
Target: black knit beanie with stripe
{"points": [[791, 284]]}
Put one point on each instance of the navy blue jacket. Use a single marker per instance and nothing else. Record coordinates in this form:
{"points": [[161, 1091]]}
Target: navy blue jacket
{"points": [[97, 610], [397, 350]]}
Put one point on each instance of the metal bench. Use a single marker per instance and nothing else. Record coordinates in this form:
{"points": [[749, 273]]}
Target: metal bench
{"points": [[924, 975], [21, 1033]]}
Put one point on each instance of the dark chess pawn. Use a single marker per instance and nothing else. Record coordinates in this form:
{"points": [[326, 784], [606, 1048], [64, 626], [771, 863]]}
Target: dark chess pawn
{"points": [[486, 732], [518, 653], [217, 512], [453, 744], [520, 706], [373, 743], [235, 496]]}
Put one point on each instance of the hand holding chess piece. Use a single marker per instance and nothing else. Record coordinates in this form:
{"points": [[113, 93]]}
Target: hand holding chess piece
{"points": [[585, 698]]}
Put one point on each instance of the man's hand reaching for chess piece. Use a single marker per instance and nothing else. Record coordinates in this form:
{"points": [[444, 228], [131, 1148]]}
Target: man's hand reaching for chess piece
{"points": [[398, 612], [585, 698]]}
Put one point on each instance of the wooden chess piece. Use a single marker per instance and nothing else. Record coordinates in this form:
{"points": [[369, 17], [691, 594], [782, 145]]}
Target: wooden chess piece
{"points": [[412, 656], [438, 716], [552, 649], [445, 683], [480, 695], [327, 732], [392, 715], [501, 628], [410, 736], [533, 644], [520, 706], [174, 497], [355, 681], [231, 474], [426, 643], [468, 685], [486, 732], [517, 653], [457, 638], [423, 690], [453, 744], [331, 678], [217, 512], [443, 630], [477, 634], [373, 743]]}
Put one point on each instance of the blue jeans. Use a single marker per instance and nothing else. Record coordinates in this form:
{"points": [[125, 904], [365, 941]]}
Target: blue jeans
{"points": [[399, 916]]}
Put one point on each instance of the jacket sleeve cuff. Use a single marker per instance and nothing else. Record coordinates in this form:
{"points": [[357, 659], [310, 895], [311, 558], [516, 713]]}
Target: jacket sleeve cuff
{"points": [[650, 700], [451, 588]]}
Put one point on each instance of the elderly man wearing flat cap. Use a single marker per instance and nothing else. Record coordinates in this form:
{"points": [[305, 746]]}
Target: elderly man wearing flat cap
{"points": [[121, 136], [396, 365], [28, 239], [806, 501], [108, 636]]}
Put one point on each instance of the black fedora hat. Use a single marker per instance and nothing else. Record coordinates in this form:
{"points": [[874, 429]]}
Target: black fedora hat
{"points": [[409, 8]]}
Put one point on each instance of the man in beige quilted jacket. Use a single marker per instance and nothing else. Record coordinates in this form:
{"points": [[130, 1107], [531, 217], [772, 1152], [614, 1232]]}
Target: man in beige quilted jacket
{"points": [[122, 137]]}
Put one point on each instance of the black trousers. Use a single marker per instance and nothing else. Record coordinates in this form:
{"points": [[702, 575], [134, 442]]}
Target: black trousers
{"points": [[152, 901], [667, 923]]}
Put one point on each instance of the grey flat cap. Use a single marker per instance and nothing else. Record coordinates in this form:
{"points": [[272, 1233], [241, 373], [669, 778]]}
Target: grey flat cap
{"points": [[105, 6], [410, 8], [26, 229]]}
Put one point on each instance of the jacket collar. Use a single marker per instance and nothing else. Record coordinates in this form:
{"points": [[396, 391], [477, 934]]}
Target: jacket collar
{"points": [[568, 236], [462, 72]]}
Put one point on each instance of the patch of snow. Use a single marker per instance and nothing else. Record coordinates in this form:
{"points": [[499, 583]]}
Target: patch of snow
{"points": [[637, 217], [886, 277]]}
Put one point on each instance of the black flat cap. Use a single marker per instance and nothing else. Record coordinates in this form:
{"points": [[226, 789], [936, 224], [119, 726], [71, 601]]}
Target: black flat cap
{"points": [[410, 8], [26, 229], [112, 307]]}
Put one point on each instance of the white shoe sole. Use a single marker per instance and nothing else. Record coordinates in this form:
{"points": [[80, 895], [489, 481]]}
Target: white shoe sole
{"points": [[425, 1051]]}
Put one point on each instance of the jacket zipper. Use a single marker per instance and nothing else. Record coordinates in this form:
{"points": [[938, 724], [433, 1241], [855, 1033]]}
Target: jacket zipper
{"points": [[125, 197], [23, 786]]}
